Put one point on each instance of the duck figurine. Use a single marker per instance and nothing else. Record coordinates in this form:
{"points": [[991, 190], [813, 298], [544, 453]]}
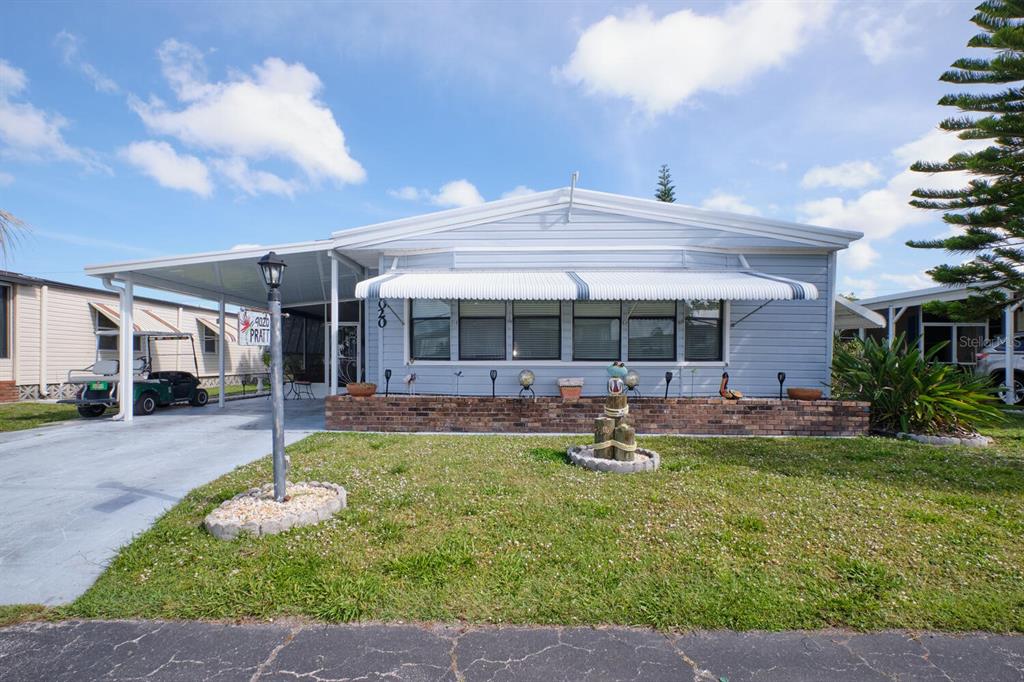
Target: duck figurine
{"points": [[724, 390]]}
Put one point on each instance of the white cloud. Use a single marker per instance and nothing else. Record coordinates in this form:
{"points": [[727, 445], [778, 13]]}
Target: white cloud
{"points": [[883, 37], [880, 213], [254, 182], [660, 63], [30, 133], [69, 45], [241, 247], [886, 283], [159, 161], [6, 179], [409, 193], [518, 191], [458, 193], [455, 193], [848, 174], [273, 113], [730, 203]]}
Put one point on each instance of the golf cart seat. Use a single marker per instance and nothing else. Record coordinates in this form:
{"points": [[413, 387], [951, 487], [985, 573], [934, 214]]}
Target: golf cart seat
{"points": [[105, 370]]}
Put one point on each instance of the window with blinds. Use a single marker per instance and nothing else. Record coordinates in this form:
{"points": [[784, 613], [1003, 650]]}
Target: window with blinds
{"points": [[481, 330], [702, 340], [596, 329], [536, 330], [652, 330], [430, 330]]}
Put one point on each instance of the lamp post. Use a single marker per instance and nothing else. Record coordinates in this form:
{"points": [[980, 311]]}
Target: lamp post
{"points": [[272, 268]]}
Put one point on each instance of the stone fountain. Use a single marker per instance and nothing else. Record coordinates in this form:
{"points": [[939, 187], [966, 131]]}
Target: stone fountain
{"points": [[614, 449]]}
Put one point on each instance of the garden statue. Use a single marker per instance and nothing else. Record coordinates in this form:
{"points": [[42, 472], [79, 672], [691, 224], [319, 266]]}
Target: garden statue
{"points": [[614, 438], [727, 392]]}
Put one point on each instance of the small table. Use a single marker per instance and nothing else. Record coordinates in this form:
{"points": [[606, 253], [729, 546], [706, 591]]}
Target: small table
{"points": [[299, 390]]}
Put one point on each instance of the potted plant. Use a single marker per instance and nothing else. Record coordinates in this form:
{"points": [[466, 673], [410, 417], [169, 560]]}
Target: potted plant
{"points": [[360, 389], [570, 388]]}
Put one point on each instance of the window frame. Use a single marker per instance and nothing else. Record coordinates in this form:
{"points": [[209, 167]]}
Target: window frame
{"points": [[504, 330], [723, 336], [210, 335], [7, 316], [572, 340], [674, 321], [557, 316], [410, 336]]}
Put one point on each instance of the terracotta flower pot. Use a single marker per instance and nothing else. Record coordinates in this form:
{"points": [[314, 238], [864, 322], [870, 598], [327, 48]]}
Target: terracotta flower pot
{"points": [[570, 393], [804, 393], [361, 390]]}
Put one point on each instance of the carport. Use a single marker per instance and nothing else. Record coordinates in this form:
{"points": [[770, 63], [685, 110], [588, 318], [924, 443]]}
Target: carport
{"points": [[319, 285]]}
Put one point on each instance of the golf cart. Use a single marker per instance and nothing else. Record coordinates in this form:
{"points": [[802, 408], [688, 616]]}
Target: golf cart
{"points": [[99, 382]]}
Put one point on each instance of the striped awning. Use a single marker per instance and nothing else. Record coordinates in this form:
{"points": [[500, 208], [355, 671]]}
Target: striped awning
{"points": [[143, 321], [587, 285]]}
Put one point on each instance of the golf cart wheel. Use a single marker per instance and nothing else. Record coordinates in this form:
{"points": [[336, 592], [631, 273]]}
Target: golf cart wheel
{"points": [[91, 411], [1018, 386], [146, 404], [200, 398]]}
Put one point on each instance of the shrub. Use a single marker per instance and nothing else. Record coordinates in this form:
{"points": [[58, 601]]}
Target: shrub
{"points": [[909, 391]]}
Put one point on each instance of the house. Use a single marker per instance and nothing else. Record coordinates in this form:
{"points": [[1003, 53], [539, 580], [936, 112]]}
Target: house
{"points": [[560, 282], [904, 313], [48, 328]]}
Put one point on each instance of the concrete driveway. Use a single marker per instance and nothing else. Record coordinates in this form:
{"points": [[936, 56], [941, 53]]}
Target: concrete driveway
{"points": [[73, 493]]}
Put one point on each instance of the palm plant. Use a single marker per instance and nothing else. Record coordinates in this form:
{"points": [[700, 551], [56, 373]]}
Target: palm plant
{"points": [[909, 391], [11, 228]]}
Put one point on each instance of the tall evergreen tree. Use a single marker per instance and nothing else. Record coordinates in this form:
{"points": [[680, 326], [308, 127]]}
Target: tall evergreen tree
{"points": [[990, 210], [666, 190]]}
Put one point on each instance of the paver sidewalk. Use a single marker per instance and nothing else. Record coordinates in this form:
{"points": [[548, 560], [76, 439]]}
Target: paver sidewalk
{"points": [[122, 650]]}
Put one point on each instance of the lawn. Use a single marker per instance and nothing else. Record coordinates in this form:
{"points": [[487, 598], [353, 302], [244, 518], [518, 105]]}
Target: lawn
{"points": [[230, 390], [730, 533], [18, 416]]}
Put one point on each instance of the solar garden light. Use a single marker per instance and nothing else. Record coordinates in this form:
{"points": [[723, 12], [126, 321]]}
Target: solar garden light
{"points": [[494, 378], [526, 379], [668, 380], [272, 268], [782, 379], [387, 381]]}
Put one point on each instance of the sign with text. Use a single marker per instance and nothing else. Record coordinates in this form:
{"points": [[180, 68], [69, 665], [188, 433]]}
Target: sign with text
{"points": [[253, 327]]}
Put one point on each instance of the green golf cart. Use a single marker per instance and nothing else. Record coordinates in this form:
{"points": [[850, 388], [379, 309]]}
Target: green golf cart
{"points": [[151, 389]]}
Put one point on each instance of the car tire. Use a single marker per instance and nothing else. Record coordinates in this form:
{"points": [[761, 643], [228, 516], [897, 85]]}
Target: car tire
{"points": [[199, 398], [1018, 386], [91, 411], [146, 404]]}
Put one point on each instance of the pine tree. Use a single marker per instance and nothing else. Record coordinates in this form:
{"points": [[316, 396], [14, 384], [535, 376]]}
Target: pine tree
{"points": [[666, 190], [990, 210]]}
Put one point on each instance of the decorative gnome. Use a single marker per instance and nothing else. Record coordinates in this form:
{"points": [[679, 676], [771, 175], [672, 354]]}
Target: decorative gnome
{"points": [[614, 438]]}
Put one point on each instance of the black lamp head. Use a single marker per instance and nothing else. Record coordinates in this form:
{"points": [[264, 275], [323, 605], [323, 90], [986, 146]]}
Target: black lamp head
{"points": [[668, 377], [781, 377], [272, 268], [494, 374], [387, 374]]}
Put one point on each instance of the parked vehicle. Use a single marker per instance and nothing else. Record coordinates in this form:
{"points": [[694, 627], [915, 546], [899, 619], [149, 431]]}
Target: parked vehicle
{"points": [[991, 362], [100, 382]]}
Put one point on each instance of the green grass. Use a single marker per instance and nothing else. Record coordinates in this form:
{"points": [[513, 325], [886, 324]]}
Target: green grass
{"points": [[230, 389], [18, 416], [18, 613], [731, 533]]}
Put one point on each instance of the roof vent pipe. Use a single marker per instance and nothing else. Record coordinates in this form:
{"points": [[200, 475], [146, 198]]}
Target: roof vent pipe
{"points": [[574, 177]]}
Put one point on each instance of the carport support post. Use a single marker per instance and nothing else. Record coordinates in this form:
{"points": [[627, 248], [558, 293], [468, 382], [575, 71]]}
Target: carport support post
{"points": [[333, 382], [220, 352], [126, 386], [1008, 314]]}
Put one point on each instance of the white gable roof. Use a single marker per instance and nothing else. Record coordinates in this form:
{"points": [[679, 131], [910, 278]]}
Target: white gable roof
{"points": [[645, 209]]}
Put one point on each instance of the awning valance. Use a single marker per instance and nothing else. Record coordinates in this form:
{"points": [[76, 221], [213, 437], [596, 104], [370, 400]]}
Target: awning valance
{"points": [[590, 285], [214, 327], [143, 321]]}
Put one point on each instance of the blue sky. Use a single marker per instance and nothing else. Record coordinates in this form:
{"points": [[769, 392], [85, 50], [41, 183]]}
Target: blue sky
{"points": [[147, 129]]}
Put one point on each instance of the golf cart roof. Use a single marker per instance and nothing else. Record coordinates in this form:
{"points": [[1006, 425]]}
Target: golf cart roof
{"points": [[147, 334]]}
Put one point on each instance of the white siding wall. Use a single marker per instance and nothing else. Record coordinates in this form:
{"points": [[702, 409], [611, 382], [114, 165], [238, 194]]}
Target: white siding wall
{"points": [[788, 336]]}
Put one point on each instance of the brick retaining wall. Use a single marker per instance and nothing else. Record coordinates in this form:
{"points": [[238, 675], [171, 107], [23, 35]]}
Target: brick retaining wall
{"points": [[704, 416], [8, 392]]}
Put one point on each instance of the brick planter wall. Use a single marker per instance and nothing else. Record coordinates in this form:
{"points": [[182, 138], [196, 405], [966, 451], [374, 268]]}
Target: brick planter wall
{"points": [[704, 416], [8, 392]]}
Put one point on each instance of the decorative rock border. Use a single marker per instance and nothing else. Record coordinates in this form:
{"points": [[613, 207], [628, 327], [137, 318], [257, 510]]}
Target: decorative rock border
{"points": [[583, 455], [229, 520], [977, 441]]}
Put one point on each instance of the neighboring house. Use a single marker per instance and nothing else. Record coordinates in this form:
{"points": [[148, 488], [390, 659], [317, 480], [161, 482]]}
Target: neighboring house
{"points": [[561, 282], [903, 313], [48, 328]]}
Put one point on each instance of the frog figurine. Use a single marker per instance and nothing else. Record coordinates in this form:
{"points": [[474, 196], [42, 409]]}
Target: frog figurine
{"points": [[616, 373]]}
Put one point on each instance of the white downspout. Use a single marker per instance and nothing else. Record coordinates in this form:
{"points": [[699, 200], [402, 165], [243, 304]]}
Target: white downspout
{"points": [[43, 346], [126, 385], [891, 324], [220, 351]]}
